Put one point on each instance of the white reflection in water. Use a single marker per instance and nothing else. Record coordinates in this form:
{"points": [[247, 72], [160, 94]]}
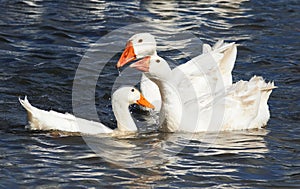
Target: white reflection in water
{"points": [[178, 149], [171, 12]]}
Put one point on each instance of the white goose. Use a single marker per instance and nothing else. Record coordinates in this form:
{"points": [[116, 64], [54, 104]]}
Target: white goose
{"points": [[242, 105], [50, 120], [211, 70]]}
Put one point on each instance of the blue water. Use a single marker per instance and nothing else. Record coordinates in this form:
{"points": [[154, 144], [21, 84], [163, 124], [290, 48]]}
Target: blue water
{"points": [[42, 43]]}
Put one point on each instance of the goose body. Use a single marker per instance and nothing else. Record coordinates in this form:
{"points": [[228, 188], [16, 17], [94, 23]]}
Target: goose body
{"points": [[51, 120], [242, 105]]}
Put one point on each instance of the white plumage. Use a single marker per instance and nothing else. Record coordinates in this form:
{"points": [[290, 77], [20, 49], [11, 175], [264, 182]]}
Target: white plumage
{"points": [[242, 105], [51, 120]]}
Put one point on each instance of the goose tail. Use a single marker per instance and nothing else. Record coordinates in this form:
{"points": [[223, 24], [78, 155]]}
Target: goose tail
{"points": [[269, 86], [25, 103]]}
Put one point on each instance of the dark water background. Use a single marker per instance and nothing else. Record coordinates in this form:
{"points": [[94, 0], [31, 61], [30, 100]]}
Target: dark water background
{"points": [[42, 43]]}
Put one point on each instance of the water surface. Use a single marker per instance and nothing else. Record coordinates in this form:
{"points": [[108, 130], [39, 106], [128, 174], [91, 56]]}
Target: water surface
{"points": [[42, 44]]}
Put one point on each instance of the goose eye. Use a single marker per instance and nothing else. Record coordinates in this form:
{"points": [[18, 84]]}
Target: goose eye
{"points": [[158, 61], [140, 40], [132, 90]]}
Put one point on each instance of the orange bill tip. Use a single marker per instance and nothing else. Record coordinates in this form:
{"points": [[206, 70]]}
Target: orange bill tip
{"points": [[144, 102], [142, 65], [127, 56]]}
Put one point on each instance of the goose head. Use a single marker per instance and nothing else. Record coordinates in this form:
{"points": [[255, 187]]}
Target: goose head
{"points": [[154, 67], [138, 46], [126, 96], [121, 99]]}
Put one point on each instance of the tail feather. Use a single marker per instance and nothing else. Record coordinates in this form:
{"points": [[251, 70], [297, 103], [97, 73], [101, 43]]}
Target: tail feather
{"points": [[33, 123], [269, 86], [219, 47], [228, 61], [218, 44], [262, 84], [224, 47], [206, 48], [25, 103]]}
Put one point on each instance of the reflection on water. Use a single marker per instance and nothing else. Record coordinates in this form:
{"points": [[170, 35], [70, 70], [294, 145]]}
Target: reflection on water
{"points": [[169, 14], [154, 149], [149, 158]]}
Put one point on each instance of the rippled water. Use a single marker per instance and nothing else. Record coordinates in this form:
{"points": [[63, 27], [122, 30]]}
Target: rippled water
{"points": [[42, 44]]}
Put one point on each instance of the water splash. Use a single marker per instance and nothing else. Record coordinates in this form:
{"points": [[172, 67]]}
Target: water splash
{"points": [[154, 117]]}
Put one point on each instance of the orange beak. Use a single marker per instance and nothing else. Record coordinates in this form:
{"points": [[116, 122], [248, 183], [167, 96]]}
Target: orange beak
{"points": [[142, 65], [143, 102], [127, 56]]}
